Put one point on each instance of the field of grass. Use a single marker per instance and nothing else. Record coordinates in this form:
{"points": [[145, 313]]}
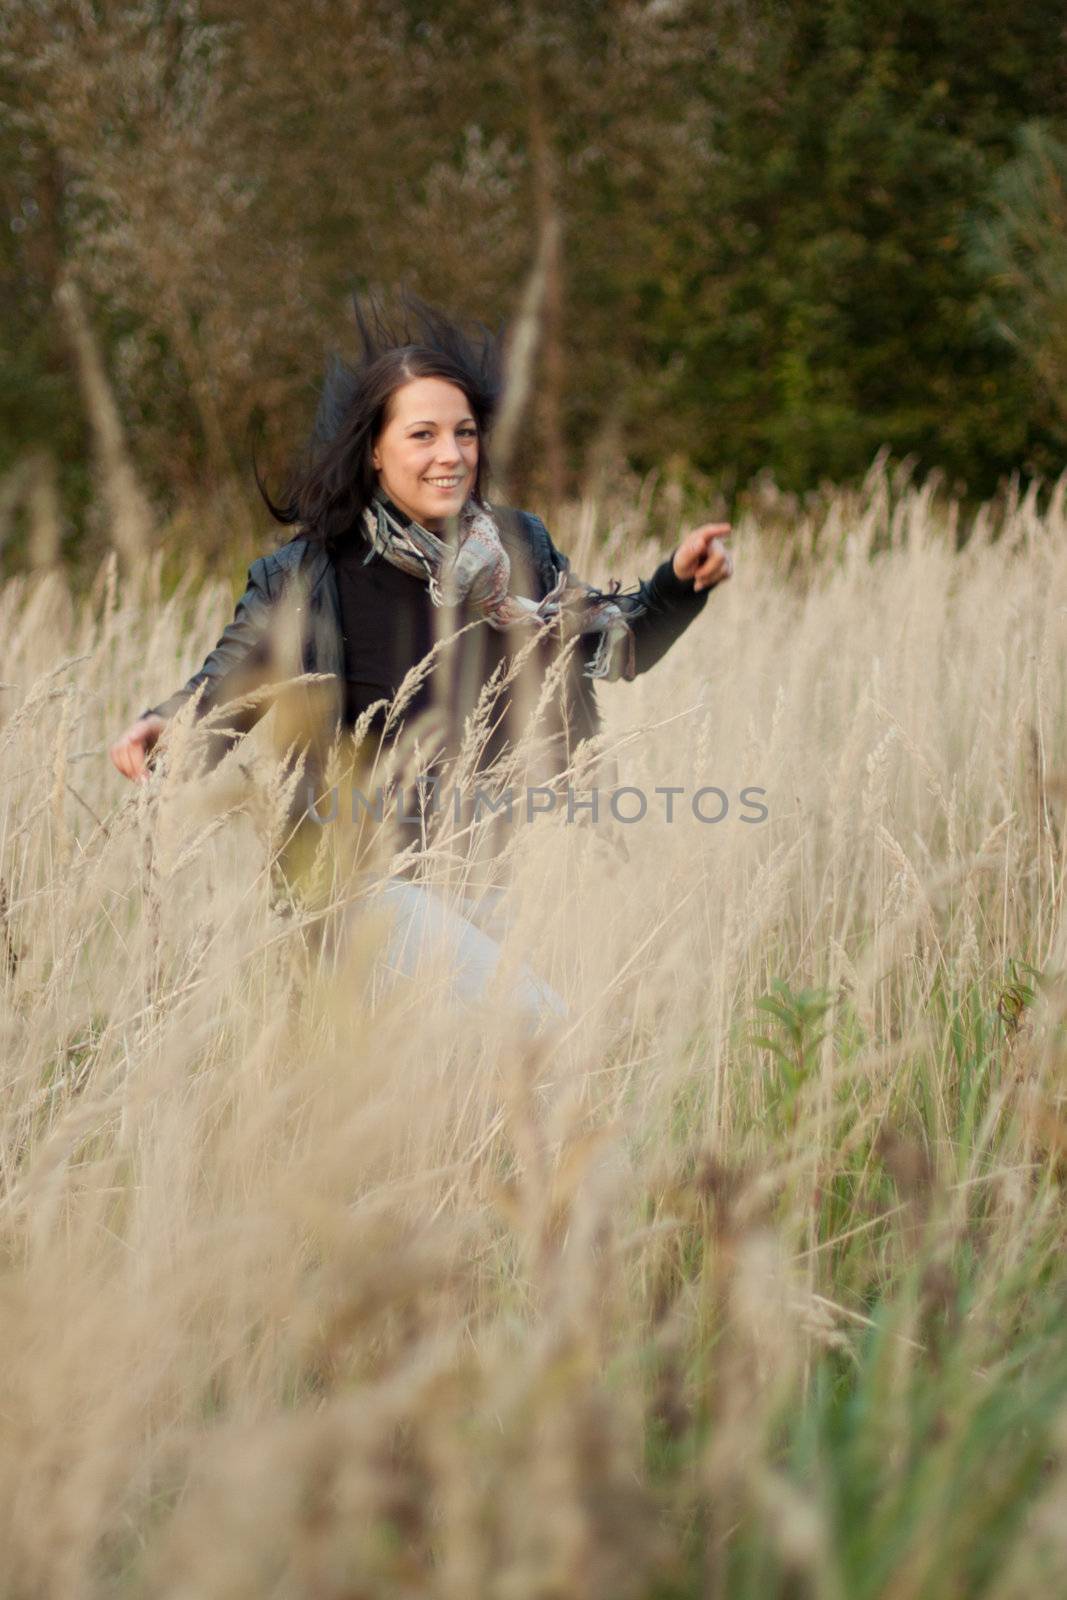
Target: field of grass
{"points": [[747, 1281]]}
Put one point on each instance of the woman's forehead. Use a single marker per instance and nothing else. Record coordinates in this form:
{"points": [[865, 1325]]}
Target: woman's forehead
{"points": [[429, 400]]}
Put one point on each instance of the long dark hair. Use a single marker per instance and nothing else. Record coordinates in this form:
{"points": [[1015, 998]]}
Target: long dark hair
{"points": [[331, 486]]}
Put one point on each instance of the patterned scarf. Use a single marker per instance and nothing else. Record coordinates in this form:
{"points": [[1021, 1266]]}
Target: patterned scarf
{"points": [[479, 570]]}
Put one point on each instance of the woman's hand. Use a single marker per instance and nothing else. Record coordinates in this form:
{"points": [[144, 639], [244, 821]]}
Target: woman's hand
{"points": [[130, 753], [703, 557]]}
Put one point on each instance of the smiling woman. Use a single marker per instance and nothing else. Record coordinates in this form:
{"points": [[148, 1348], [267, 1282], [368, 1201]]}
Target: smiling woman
{"points": [[396, 535]]}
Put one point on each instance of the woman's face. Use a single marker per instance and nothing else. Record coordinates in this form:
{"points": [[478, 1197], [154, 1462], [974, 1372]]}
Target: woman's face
{"points": [[426, 455]]}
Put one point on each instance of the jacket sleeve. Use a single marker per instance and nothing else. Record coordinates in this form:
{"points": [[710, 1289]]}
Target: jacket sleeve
{"points": [[663, 606], [239, 663]]}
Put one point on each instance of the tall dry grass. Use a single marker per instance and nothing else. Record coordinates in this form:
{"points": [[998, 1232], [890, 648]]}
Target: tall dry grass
{"points": [[748, 1280]]}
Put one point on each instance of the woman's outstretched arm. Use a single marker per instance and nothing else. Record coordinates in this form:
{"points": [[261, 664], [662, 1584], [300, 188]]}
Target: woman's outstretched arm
{"points": [[665, 604], [237, 665]]}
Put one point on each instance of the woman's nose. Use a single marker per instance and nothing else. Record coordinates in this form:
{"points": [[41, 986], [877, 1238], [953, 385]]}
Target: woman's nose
{"points": [[448, 450]]}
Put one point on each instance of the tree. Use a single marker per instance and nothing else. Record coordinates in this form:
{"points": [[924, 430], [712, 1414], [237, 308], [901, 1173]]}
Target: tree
{"points": [[823, 302], [1020, 245]]}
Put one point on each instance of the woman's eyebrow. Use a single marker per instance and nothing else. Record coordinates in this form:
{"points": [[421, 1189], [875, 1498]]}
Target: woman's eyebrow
{"points": [[428, 423]]}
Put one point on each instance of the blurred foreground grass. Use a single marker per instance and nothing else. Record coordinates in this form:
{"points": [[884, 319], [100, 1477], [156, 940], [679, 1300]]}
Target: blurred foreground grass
{"points": [[748, 1281]]}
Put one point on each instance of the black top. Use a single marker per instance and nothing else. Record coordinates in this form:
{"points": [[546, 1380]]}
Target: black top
{"points": [[388, 625]]}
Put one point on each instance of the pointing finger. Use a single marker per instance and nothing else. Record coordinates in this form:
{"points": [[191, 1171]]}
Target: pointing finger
{"points": [[715, 569]]}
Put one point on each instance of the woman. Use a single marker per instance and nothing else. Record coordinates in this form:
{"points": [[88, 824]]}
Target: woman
{"points": [[394, 529]]}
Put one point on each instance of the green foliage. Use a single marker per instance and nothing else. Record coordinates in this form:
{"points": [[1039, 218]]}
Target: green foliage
{"points": [[1020, 247], [1017, 994], [915, 1453], [768, 216], [793, 1045], [833, 306]]}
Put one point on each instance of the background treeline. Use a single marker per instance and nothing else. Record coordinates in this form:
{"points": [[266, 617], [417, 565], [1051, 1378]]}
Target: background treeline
{"points": [[772, 238]]}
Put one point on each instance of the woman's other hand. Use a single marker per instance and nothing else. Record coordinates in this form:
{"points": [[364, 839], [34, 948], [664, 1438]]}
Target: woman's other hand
{"points": [[130, 752], [703, 557]]}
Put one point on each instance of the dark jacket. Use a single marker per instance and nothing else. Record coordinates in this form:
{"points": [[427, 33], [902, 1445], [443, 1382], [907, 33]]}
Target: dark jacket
{"points": [[243, 660]]}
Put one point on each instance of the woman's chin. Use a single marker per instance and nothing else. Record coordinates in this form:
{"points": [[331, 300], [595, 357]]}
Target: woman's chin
{"points": [[443, 506]]}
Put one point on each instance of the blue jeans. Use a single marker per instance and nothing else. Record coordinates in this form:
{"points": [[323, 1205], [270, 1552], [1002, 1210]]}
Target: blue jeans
{"points": [[425, 926]]}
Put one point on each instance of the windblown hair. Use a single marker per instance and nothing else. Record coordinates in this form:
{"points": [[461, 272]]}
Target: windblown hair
{"points": [[329, 489]]}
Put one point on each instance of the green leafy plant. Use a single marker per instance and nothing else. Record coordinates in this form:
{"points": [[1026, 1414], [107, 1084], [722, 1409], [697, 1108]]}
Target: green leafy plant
{"points": [[1017, 994], [793, 1044]]}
